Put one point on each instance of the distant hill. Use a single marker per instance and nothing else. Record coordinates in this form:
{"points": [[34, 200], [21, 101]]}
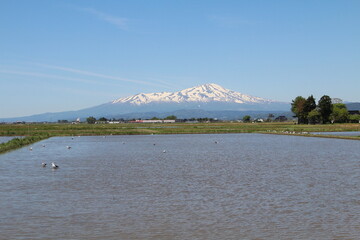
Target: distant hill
{"points": [[208, 100], [181, 114], [198, 113], [353, 106]]}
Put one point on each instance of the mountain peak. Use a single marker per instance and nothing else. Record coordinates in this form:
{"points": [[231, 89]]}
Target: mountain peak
{"points": [[211, 87], [205, 93]]}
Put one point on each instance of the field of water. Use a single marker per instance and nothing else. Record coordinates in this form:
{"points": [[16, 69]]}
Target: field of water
{"points": [[233, 186]]}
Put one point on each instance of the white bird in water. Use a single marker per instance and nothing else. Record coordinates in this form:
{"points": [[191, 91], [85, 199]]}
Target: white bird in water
{"points": [[30, 148], [43, 164], [164, 151], [54, 166], [68, 147]]}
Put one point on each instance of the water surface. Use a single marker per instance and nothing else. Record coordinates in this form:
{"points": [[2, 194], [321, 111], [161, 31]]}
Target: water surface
{"points": [[245, 186]]}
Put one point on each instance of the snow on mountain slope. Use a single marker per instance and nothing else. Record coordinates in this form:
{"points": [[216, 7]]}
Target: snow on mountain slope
{"points": [[203, 93]]}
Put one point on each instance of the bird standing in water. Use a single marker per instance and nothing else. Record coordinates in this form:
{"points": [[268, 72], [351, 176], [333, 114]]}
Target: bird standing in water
{"points": [[54, 166]]}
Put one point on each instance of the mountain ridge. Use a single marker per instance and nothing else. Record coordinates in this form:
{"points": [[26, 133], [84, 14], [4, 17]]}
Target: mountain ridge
{"points": [[209, 92]]}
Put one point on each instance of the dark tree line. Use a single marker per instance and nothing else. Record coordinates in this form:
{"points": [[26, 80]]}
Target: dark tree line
{"points": [[93, 120], [307, 111]]}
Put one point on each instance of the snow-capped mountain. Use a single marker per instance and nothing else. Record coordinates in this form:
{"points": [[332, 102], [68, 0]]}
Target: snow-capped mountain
{"points": [[203, 94], [205, 100]]}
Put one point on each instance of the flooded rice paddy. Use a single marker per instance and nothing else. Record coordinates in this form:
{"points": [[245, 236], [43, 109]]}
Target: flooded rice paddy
{"points": [[233, 186]]}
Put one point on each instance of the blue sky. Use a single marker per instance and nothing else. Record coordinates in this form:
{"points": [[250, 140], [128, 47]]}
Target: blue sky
{"points": [[68, 55]]}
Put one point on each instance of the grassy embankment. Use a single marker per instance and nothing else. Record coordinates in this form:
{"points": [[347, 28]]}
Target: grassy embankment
{"points": [[20, 142]]}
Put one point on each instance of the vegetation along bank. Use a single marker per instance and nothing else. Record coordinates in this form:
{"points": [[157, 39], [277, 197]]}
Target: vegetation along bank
{"points": [[17, 142]]}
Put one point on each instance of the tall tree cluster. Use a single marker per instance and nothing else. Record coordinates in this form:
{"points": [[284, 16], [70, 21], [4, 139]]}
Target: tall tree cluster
{"points": [[325, 108], [302, 107], [307, 111]]}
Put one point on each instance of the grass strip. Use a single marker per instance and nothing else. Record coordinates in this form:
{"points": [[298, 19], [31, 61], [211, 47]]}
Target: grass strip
{"points": [[20, 142]]}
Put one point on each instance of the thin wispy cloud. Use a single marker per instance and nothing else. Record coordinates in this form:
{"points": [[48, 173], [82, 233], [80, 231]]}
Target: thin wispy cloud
{"points": [[180, 82], [82, 91], [104, 76], [50, 76], [119, 22]]}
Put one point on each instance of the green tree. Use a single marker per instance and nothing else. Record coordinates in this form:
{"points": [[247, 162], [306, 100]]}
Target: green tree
{"points": [[314, 117], [171, 117], [355, 118], [102, 119], [340, 113], [154, 118], [63, 121], [310, 104], [246, 118], [203, 119], [298, 108], [270, 117], [325, 108], [91, 120]]}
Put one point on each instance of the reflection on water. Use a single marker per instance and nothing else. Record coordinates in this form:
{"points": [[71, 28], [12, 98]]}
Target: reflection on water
{"points": [[245, 186]]}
